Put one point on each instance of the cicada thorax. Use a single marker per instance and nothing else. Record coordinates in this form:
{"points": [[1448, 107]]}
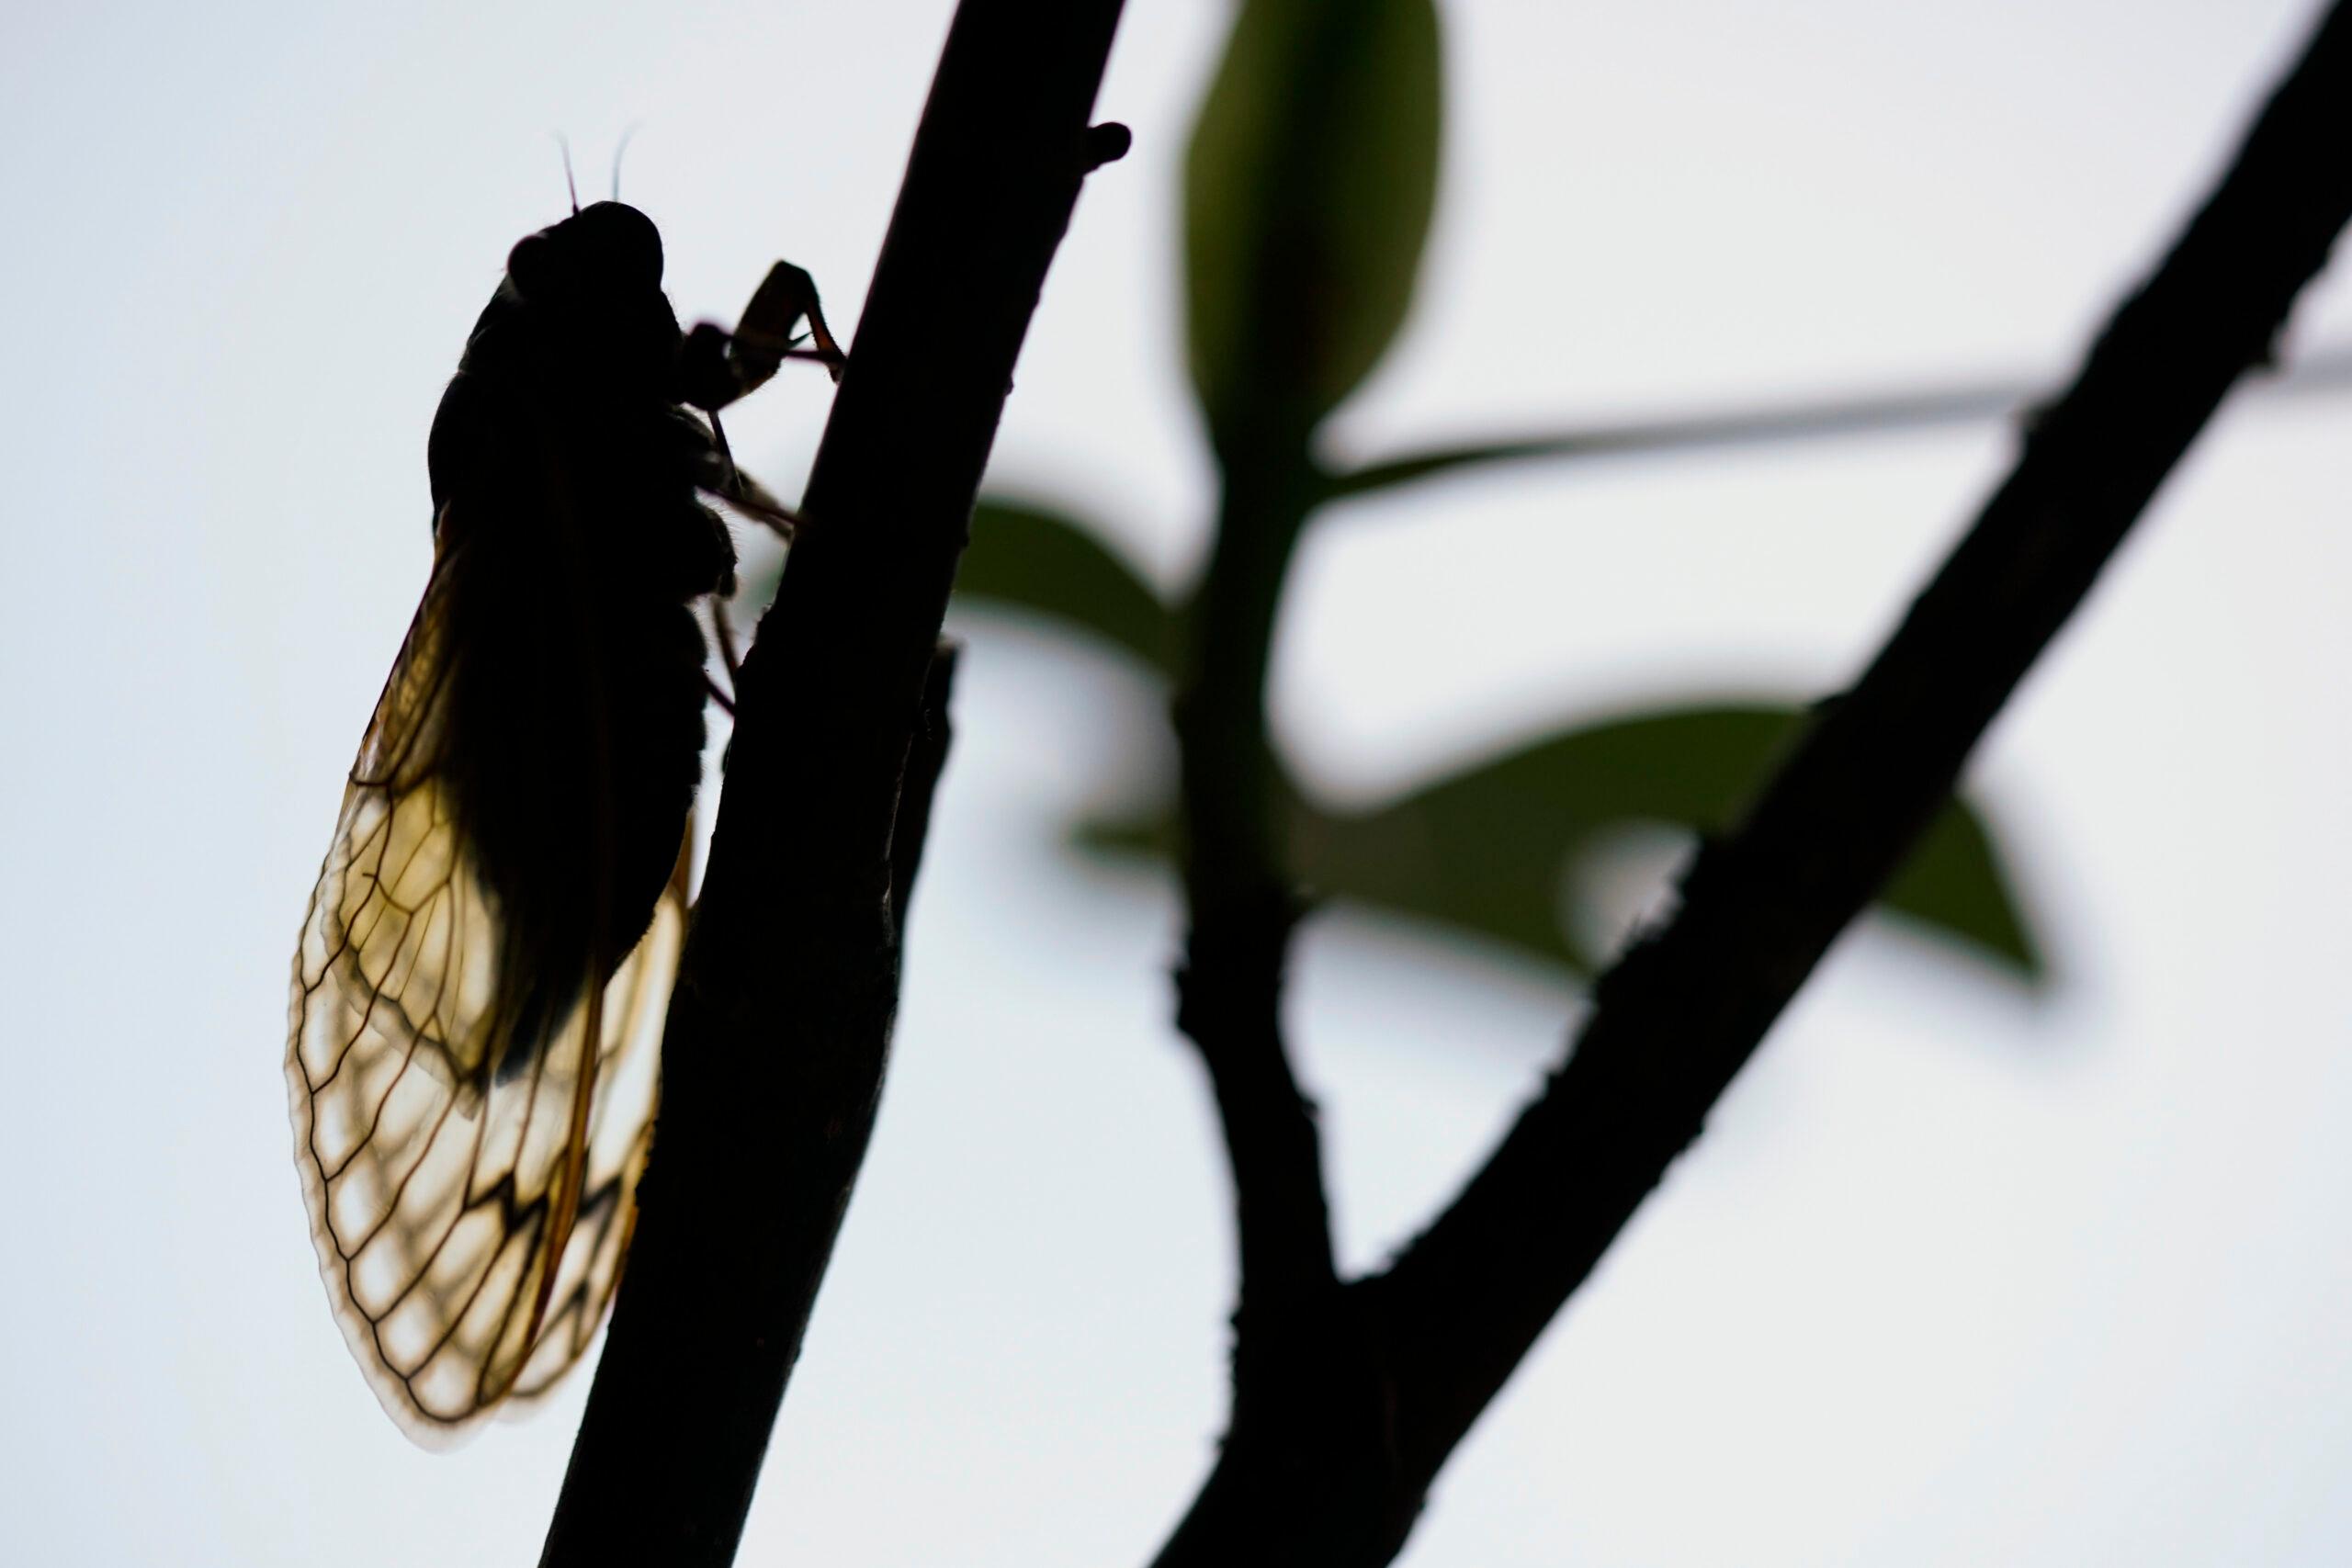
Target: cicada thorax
{"points": [[574, 541]]}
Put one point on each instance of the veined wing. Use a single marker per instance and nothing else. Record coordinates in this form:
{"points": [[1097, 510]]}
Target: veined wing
{"points": [[470, 1223]]}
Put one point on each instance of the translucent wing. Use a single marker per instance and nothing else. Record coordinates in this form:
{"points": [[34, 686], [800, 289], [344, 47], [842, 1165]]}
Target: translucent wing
{"points": [[471, 1224]]}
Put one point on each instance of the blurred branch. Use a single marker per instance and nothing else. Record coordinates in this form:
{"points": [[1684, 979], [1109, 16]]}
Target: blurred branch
{"points": [[1042, 557], [1935, 407], [1242, 909], [1446, 1325], [780, 1022], [1307, 1391], [1309, 187]]}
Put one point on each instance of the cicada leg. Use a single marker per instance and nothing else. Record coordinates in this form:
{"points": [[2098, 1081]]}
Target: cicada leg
{"points": [[716, 367]]}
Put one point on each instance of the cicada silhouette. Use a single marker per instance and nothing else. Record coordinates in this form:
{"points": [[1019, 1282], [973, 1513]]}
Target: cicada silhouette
{"points": [[477, 997]]}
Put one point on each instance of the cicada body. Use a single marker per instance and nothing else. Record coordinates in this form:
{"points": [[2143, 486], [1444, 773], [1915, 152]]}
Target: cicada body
{"points": [[480, 988]]}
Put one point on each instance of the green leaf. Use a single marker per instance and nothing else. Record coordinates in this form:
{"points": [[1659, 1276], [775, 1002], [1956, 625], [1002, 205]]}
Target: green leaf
{"points": [[1031, 557], [1955, 880], [1485, 851], [1307, 194]]}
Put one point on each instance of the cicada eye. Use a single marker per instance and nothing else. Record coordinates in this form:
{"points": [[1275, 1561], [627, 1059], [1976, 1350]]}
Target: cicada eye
{"points": [[530, 264]]}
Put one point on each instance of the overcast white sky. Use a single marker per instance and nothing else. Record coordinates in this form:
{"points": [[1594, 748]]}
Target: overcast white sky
{"points": [[1958, 1276]]}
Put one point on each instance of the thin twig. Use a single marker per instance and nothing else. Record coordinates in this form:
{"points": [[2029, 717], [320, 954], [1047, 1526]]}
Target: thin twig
{"points": [[1867, 413], [1238, 897], [1308, 1400]]}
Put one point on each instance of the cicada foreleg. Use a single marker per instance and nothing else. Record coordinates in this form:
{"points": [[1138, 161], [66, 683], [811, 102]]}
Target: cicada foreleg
{"points": [[716, 367], [764, 338]]}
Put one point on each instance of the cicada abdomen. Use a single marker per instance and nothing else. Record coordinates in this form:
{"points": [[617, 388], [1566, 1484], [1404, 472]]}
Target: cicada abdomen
{"points": [[479, 993]]}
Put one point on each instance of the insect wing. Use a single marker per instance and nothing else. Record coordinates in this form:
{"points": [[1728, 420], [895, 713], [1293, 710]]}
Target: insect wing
{"points": [[469, 1226], [620, 1135]]}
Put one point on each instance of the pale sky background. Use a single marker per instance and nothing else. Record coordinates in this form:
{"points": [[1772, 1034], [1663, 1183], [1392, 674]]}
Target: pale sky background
{"points": [[1959, 1275]]}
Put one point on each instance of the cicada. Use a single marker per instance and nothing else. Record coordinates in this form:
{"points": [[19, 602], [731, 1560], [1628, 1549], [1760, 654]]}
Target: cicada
{"points": [[479, 993]]}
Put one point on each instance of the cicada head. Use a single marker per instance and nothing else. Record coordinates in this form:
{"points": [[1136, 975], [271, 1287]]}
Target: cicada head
{"points": [[586, 295], [604, 254]]}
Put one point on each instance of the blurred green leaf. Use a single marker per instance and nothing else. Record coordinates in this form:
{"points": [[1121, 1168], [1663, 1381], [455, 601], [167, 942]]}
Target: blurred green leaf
{"points": [[1485, 850], [1031, 557], [1307, 194]]}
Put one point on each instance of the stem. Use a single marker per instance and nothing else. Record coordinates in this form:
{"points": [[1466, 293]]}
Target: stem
{"points": [[1309, 1398], [1933, 408], [1239, 896]]}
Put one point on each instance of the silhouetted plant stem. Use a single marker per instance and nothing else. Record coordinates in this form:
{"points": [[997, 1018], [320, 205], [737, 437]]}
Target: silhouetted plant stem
{"points": [[1229, 776], [780, 1023], [1296, 1367], [1310, 1401], [1779, 424], [1676, 1018], [1236, 889]]}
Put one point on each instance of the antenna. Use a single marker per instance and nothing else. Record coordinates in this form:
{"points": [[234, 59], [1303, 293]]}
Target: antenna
{"points": [[565, 148], [620, 147]]}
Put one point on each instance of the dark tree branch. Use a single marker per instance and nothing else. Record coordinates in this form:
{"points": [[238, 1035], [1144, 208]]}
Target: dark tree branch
{"points": [[1446, 1326], [1682, 1011], [1935, 407], [780, 1022]]}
